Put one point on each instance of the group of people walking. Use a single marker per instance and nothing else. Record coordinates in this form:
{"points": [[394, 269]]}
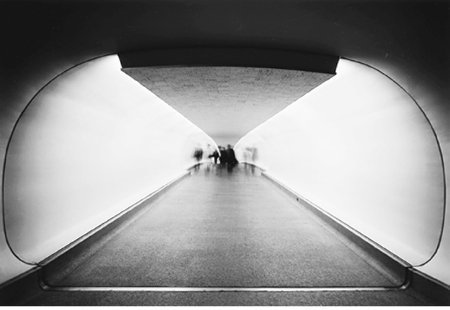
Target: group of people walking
{"points": [[224, 158], [227, 158]]}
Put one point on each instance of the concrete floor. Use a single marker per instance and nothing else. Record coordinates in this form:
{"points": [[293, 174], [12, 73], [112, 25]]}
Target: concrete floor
{"points": [[220, 229]]}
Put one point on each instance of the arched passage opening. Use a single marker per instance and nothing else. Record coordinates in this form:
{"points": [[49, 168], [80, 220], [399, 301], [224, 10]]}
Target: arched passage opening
{"points": [[357, 147]]}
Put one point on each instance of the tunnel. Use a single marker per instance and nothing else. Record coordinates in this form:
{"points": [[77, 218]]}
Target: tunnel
{"points": [[337, 114]]}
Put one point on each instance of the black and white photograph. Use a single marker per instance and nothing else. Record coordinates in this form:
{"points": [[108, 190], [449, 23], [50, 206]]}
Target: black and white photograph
{"points": [[224, 153]]}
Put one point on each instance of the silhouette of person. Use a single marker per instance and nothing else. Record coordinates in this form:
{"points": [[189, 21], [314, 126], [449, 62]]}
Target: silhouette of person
{"points": [[231, 159], [223, 158], [198, 154], [248, 159], [208, 154], [215, 155]]}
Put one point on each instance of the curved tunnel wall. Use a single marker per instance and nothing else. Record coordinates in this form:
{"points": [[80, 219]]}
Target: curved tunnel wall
{"points": [[92, 143], [361, 152], [361, 149]]}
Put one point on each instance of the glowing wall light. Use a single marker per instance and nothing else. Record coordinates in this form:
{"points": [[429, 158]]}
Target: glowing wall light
{"points": [[360, 148], [91, 144]]}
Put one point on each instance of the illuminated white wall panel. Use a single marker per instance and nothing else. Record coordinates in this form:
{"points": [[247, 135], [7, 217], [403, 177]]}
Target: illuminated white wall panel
{"points": [[91, 144], [361, 149]]}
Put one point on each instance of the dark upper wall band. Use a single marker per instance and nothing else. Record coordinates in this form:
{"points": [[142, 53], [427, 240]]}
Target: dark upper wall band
{"points": [[238, 57]]}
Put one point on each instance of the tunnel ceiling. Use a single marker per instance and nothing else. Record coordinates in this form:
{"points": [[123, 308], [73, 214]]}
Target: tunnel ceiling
{"points": [[407, 40], [227, 102]]}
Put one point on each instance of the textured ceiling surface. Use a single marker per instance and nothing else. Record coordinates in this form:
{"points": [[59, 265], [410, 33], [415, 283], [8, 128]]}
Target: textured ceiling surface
{"points": [[227, 102]]}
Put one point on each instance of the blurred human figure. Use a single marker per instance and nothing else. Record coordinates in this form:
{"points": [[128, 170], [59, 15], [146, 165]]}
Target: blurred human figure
{"points": [[223, 159], [231, 159], [254, 154], [247, 155], [207, 156], [248, 159], [198, 155], [215, 156]]}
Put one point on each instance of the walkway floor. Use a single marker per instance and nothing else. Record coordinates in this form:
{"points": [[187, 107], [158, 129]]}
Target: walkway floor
{"points": [[221, 229]]}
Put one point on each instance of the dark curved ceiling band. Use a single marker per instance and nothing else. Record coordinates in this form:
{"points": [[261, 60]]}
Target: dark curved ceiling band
{"points": [[236, 57]]}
